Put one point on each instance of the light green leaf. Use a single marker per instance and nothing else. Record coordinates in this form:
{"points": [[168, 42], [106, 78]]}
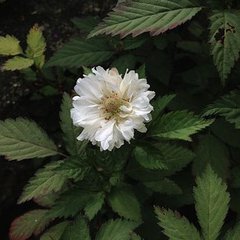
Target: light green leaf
{"points": [[225, 40], [165, 185], [45, 181], [176, 227], [36, 42], [228, 106], [80, 52], [234, 233], [179, 125], [211, 151], [139, 16], [32, 222], [94, 205], [36, 45], [116, 230], [17, 63], [73, 146], [124, 202], [9, 45], [22, 139], [77, 230], [55, 232], [212, 202]]}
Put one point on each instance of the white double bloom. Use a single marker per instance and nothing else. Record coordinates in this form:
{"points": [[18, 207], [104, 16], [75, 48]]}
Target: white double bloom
{"points": [[109, 108]]}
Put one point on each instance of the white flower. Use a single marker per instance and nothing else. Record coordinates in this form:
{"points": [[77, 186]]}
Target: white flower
{"points": [[109, 108]]}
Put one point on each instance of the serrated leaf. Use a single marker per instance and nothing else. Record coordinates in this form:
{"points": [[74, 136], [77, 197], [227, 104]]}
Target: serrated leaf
{"points": [[70, 132], [225, 40], [94, 205], [86, 24], [174, 157], [36, 45], [32, 222], [233, 234], [130, 43], [22, 139], [77, 230], [134, 236], [80, 52], [138, 16], [9, 45], [124, 62], [176, 227], [228, 106], [46, 201], [165, 185], [55, 232], [45, 181], [74, 168], [211, 205], [160, 104], [211, 151], [17, 63], [149, 157], [179, 125], [124, 202], [75, 199], [116, 230]]}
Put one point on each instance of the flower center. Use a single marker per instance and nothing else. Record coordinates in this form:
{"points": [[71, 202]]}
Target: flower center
{"points": [[111, 105]]}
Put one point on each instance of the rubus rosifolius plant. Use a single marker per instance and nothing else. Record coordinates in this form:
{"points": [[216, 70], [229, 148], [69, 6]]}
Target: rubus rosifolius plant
{"points": [[123, 150]]}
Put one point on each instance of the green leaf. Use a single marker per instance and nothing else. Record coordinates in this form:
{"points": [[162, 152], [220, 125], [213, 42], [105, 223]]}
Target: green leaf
{"points": [[94, 205], [55, 232], [77, 230], [225, 40], [134, 236], [130, 43], [165, 185], [174, 157], [32, 222], [211, 203], [73, 146], [17, 63], [179, 125], [22, 139], [139, 16], [228, 106], [74, 168], [234, 233], [124, 202], [124, 62], [116, 230], [86, 24], [176, 227], [160, 104], [45, 181], [211, 151], [149, 157], [9, 45], [80, 52], [75, 199]]}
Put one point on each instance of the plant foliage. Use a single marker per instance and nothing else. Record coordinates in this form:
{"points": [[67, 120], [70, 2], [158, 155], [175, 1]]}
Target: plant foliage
{"points": [[136, 17]]}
